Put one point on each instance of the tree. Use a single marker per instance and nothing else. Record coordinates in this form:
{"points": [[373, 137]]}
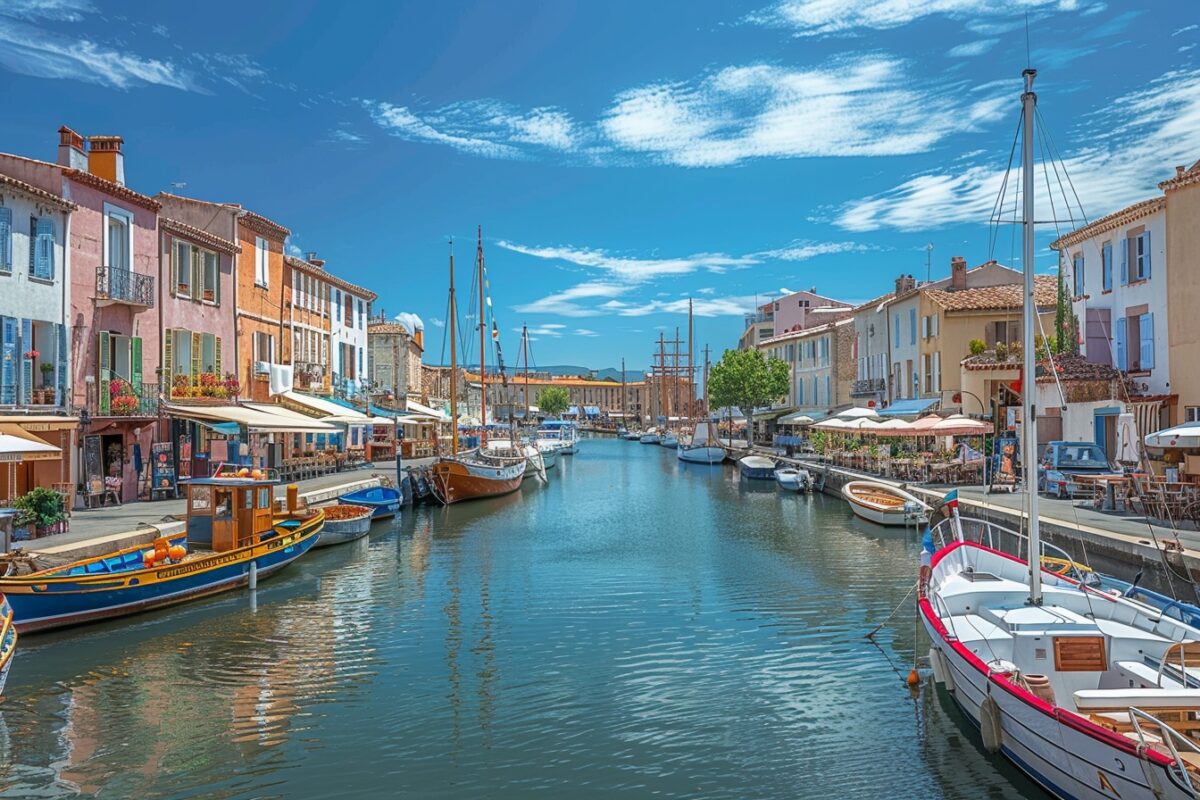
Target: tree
{"points": [[553, 400], [747, 379]]}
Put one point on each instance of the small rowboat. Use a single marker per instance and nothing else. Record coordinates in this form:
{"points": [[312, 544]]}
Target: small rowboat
{"points": [[384, 501], [757, 468], [344, 523], [8, 640], [884, 504]]}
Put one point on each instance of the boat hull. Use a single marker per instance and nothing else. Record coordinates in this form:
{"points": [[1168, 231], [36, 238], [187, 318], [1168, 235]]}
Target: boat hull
{"points": [[896, 516], [1066, 754], [669, 441], [455, 481], [795, 480], [42, 602], [341, 531], [701, 455], [383, 501], [649, 438], [8, 642]]}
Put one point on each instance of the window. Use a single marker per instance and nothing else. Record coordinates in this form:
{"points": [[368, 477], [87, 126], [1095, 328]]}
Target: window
{"points": [[937, 372], [349, 311], [1077, 273], [41, 248], [264, 351], [260, 262], [912, 325], [6, 239], [210, 287], [182, 265], [1106, 266], [1191, 414], [118, 241], [1139, 257], [337, 305]]}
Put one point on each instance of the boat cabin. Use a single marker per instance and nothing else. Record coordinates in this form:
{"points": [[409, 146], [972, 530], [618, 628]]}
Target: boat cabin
{"points": [[228, 510]]}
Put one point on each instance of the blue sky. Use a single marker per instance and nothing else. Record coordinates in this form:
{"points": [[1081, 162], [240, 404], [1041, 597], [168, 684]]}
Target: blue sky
{"points": [[621, 156]]}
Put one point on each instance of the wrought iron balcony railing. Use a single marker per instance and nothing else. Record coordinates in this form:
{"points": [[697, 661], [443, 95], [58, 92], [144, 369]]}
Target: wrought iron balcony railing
{"points": [[867, 386], [116, 285]]}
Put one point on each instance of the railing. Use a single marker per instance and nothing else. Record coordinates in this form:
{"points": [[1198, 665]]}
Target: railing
{"points": [[1173, 739], [867, 386], [128, 399], [117, 285]]}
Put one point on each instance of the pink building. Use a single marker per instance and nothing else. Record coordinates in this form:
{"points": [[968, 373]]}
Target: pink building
{"points": [[802, 310]]}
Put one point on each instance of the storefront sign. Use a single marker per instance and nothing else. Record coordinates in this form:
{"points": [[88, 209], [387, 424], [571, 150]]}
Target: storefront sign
{"points": [[162, 468]]}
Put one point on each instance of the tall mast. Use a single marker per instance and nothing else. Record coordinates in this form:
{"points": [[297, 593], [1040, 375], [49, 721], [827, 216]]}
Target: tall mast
{"points": [[624, 408], [675, 376], [453, 362], [482, 342], [706, 409], [1028, 410], [662, 373], [691, 388], [525, 349]]}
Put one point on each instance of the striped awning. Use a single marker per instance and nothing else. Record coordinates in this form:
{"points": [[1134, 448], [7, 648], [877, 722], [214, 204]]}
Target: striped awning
{"points": [[1148, 416]]}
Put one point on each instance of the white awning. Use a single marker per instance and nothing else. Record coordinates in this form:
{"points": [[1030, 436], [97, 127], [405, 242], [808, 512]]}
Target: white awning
{"points": [[413, 405], [260, 417]]}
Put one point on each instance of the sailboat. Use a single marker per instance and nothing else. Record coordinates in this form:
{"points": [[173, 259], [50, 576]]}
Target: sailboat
{"points": [[481, 472], [704, 447], [1092, 695]]}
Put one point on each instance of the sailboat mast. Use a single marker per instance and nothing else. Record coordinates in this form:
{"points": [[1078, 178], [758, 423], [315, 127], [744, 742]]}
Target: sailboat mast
{"points": [[675, 377], [482, 341], [453, 361], [525, 350], [691, 384], [662, 372], [705, 390], [1028, 410], [624, 406]]}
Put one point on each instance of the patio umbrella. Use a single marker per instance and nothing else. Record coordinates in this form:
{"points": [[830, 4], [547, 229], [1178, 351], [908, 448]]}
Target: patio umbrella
{"points": [[1186, 435], [834, 424], [857, 412], [893, 427], [958, 425], [922, 427], [864, 425]]}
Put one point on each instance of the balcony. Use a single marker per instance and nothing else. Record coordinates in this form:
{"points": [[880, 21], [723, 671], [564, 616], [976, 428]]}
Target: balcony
{"points": [[115, 285], [117, 397], [867, 387]]}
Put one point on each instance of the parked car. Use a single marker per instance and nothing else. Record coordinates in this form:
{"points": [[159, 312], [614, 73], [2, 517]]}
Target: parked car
{"points": [[1061, 461]]}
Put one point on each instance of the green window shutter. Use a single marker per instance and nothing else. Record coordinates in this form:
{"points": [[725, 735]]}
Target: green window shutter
{"points": [[217, 356], [104, 364], [197, 352], [197, 273], [61, 364], [135, 364], [168, 361]]}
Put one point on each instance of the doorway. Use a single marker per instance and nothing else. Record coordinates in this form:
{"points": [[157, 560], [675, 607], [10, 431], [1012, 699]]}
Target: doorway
{"points": [[1104, 422]]}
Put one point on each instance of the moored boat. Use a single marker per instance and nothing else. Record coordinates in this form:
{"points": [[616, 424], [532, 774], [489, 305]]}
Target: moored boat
{"points": [[8, 641], [798, 480], [234, 535], [703, 447], [650, 437], [384, 501], [757, 468], [345, 523], [884, 504], [475, 474], [669, 439]]}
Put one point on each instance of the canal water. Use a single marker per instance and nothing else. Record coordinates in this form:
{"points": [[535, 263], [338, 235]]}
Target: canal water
{"points": [[639, 627]]}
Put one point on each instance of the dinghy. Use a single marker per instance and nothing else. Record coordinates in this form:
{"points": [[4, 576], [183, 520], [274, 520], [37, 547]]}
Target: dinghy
{"points": [[384, 501], [757, 468], [344, 523], [884, 504], [798, 480]]}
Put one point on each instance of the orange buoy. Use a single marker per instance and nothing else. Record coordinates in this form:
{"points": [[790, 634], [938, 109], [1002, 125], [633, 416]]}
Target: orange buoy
{"points": [[244, 472], [177, 552], [148, 558], [256, 474], [913, 678]]}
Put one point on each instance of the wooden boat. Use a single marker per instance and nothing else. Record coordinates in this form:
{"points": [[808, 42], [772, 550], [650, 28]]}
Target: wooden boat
{"points": [[345, 523], [757, 468], [234, 536], [703, 447], [8, 641], [384, 501], [798, 480], [884, 504]]}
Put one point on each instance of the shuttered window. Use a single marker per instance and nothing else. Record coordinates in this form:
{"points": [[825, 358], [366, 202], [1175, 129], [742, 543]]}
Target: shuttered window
{"points": [[1140, 257], [1106, 256], [1077, 274], [6, 239], [1146, 341], [260, 261]]}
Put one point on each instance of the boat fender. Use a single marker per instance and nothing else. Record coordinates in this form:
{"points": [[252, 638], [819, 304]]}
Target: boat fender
{"points": [[937, 665], [989, 724]]}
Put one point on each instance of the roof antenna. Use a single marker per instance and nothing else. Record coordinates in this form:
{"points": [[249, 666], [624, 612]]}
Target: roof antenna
{"points": [[1028, 56]]}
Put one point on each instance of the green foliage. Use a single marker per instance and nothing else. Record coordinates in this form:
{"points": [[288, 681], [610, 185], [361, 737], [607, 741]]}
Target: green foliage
{"points": [[977, 346], [747, 379], [40, 507], [1001, 351], [553, 400]]}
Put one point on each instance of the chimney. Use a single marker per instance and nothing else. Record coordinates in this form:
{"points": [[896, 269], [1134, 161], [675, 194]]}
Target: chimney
{"points": [[311, 257], [419, 338], [905, 284], [70, 149], [813, 290], [958, 272], [1179, 170], [105, 159]]}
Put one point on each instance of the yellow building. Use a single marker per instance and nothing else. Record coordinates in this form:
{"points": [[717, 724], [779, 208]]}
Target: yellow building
{"points": [[1183, 286]]}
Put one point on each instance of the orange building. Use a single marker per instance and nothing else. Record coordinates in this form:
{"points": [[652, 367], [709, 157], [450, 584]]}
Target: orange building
{"points": [[261, 280], [306, 323]]}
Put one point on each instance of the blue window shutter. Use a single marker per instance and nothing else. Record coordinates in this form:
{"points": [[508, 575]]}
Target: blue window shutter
{"points": [[1146, 345], [1146, 256], [1121, 361], [43, 265], [1124, 262], [61, 365], [828, 395], [8, 352], [26, 363], [6, 239], [360, 363], [1106, 260]]}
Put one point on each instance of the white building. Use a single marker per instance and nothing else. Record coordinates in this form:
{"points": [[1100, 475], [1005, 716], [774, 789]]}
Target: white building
{"points": [[871, 353], [1115, 270], [350, 311], [34, 296]]}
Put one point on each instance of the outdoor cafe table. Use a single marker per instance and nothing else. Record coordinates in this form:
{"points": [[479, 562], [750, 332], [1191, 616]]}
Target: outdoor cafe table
{"points": [[1108, 484]]}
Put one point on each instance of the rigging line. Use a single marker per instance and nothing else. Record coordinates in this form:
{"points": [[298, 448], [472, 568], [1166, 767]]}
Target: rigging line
{"points": [[1060, 160], [888, 618], [997, 207], [1061, 187], [1041, 143]]}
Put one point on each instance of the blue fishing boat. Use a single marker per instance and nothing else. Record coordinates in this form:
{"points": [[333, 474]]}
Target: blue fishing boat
{"points": [[384, 501], [234, 536], [8, 641]]}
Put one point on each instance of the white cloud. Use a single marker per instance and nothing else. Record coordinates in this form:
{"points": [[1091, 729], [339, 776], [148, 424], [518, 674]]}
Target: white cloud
{"points": [[829, 17], [343, 135], [856, 106], [1146, 133], [1185, 29], [969, 49], [55, 10], [585, 332], [486, 128], [410, 321], [632, 270], [803, 250], [703, 307], [565, 303], [437, 322]]}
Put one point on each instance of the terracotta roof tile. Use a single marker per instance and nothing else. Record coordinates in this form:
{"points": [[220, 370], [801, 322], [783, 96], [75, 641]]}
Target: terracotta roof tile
{"points": [[1181, 179], [259, 223], [996, 298], [114, 189], [329, 277], [198, 236], [41, 194], [1110, 222]]}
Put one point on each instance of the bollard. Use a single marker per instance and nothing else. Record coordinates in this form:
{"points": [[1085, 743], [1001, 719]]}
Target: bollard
{"points": [[253, 575], [293, 498]]}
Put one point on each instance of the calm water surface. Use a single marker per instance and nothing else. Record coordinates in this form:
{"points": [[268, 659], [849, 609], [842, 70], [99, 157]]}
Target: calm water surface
{"points": [[639, 627]]}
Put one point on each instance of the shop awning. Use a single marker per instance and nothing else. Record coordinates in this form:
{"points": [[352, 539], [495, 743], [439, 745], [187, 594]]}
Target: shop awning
{"points": [[40, 422], [333, 412], [909, 408], [591, 411], [772, 413], [801, 418], [20, 445], [412, 406], [572, 411], [223, 428], [253, 417]]}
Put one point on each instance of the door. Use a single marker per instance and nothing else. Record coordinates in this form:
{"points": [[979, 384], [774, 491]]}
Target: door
{"points": [[1104, 426], [223, 525]]}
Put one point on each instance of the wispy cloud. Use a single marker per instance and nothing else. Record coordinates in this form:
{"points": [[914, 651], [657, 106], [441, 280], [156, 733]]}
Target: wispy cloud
{"points": [[804, 250], [566, 303], [343, 135], [1185, 29], [630, 269], [969, 49], [437, 322], [839, 17], [1147, 133], [487, 128], [732, 306], [585, 332]]}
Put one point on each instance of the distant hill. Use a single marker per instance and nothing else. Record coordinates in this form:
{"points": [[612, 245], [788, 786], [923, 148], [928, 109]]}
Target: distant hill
{"points": [[608, 373]]}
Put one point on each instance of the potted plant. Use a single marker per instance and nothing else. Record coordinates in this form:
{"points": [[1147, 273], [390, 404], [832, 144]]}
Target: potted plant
{"points": [[42, 509]]}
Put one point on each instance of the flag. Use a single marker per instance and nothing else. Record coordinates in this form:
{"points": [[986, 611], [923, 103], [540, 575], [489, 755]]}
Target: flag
{"points": [[495, 332], [951, 499]]}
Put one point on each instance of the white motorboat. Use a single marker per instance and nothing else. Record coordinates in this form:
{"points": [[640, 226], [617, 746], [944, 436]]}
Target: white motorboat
{"points": [[703, 448], [669, 440], [884, 504], [650, 437], [757, 468], [798, 480]]}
